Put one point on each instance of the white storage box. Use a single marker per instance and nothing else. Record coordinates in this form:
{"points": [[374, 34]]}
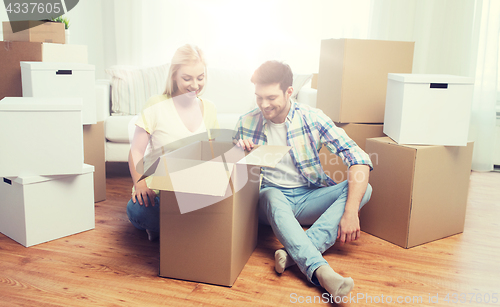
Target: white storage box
{"points": [[428, 109], [37, 209], [47, 79], [40, 136]]}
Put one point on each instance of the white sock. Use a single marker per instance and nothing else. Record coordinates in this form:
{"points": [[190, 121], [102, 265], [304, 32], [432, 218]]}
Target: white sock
{"points": [[282, 260], [333, 282]]}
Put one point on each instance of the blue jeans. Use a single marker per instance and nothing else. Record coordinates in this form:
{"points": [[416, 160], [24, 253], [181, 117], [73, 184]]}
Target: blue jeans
{"points": [[286, 209], [143, 217]]}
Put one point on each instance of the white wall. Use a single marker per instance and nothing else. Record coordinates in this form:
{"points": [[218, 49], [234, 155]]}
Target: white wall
{"points": [[441, 30], [243, 34], [86, 29]]}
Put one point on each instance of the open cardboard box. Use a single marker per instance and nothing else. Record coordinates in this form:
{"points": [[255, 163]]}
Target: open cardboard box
{"points": [[209, 194]]}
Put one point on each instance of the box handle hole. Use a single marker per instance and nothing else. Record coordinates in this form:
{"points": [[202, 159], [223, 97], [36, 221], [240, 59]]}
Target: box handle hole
{"points": [[64, 72], [7, 181], [439, 85]]}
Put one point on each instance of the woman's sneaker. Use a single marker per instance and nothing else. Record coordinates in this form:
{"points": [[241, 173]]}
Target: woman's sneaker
{"points": [[152, 235]]}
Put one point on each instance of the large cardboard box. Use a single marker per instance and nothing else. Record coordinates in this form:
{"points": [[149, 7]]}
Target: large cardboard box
{"points": [[35, 31], [419, 192], [93, 153], [352, 78], [53, 79], [428, 109], [314, 81], [40, 136], [332, 164], [496, 147], [208, 209], [12, 53], [37, 209]]}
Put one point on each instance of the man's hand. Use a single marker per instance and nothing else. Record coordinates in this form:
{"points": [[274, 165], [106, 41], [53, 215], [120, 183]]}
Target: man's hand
{"points": [[349, 229], [141, 194], [245, 144]]}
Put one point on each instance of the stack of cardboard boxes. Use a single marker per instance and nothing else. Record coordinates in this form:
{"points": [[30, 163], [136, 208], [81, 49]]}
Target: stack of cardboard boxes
{"points": [[351, 85], [48, 191], [421, 171]]}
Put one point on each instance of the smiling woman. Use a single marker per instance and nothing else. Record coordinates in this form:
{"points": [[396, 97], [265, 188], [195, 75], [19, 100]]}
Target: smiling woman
{"points": [[166, 123]]}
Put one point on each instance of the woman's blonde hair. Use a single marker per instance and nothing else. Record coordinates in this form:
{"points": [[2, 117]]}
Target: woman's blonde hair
{"points": [[185, 55]]}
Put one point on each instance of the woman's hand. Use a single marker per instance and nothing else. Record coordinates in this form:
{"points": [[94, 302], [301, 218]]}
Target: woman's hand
{"points": [[142, 193]]}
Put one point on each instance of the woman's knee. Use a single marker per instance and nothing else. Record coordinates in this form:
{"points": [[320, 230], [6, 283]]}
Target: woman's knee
{"points": [[130, 208], [135, 210]]}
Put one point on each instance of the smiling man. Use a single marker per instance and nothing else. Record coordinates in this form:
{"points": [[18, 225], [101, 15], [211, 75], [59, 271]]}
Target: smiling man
{"points": [[297, 192]]}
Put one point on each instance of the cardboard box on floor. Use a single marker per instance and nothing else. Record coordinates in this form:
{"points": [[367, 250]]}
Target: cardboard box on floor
{"points": [[29, 217], [93, 153], [332, 164], [419, 192], [208, 209], [35, 31], [12, 53], [352, 78]]}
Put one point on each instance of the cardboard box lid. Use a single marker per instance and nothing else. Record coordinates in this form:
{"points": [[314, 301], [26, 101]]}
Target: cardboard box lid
{"points": [[25, 104], [430, 78], [54, 66], [209, 177], [30, 179], [388, 140], [191, 176], [30, 25], [265, 155]]}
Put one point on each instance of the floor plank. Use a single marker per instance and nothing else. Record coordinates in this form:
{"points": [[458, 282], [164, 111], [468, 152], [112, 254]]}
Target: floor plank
{"points": [[115, 265]]}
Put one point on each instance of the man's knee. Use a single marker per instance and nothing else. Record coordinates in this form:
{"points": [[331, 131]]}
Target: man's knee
{"points": [[267, 195], [271, 199]]}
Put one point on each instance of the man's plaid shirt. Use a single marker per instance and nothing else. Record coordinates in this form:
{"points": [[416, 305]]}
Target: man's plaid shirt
{"points": [[308, 129]]}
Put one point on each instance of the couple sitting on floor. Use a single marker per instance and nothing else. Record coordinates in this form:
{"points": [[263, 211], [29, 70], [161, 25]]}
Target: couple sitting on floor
{"points": [[294, 194]]}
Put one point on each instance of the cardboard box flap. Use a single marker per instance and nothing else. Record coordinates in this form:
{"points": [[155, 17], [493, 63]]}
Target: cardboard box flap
{"points": [[40, 104], [29, 179], [388, 140], [192, 176], [266, 156], [430, 78], [56, 66]]}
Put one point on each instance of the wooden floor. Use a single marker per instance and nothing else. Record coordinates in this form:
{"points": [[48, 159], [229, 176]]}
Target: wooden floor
{"points": [[115, 265]]}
